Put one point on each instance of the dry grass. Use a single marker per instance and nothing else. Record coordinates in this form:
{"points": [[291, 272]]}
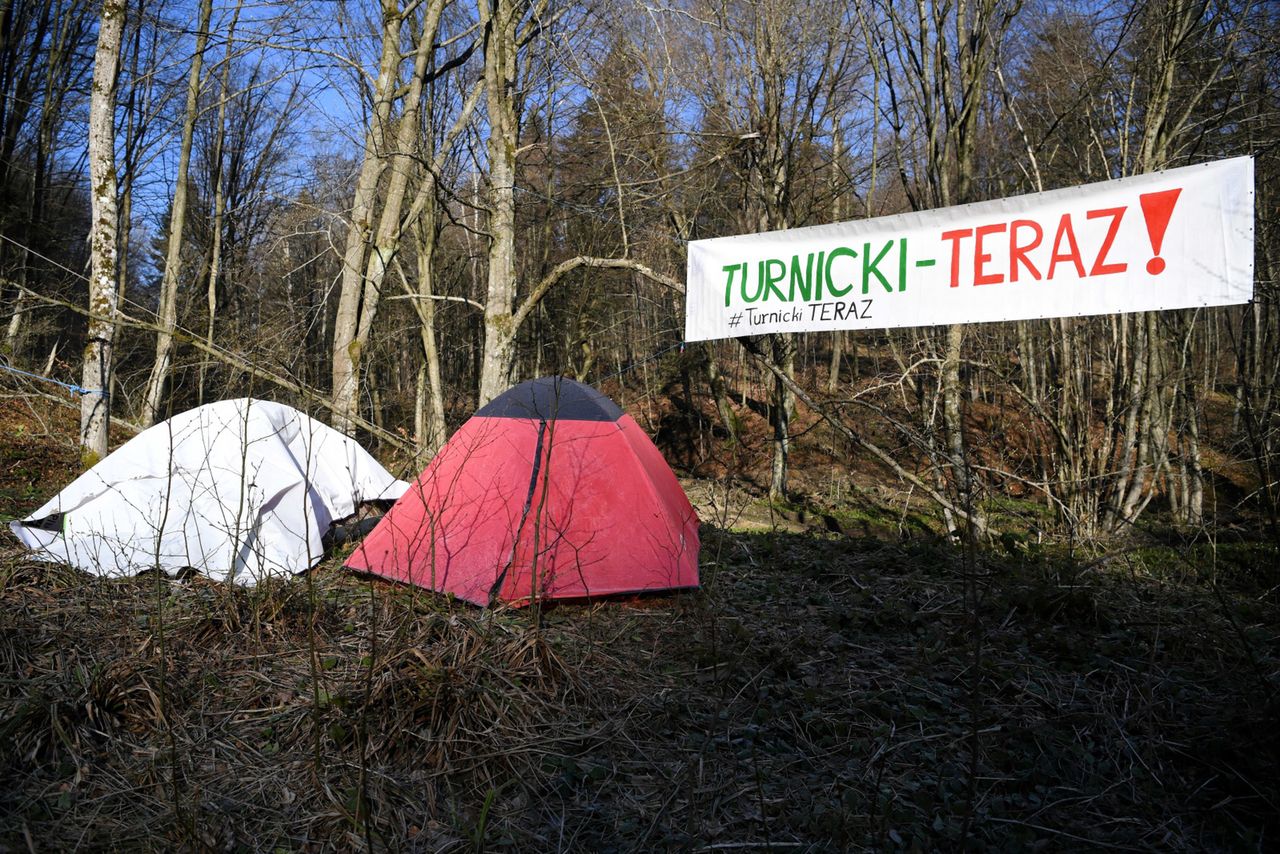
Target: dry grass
{"points": [[149, 713], [819, 694]]}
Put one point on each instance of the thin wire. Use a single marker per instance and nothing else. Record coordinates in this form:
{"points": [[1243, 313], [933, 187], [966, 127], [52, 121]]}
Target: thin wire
{"points": [[646, 360], [214, 349], [608, 219], [84, 278], [31, 251]]}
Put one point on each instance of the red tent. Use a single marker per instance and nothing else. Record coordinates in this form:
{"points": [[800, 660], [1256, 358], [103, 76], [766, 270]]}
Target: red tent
{"points": [[548, 488]]}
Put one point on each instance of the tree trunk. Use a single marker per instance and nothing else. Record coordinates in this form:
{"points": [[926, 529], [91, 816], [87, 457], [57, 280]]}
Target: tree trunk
{"points": [[96, 379], [837, 213], [719, 392], [953, 420], [62, 52], [219, 199], [501, 20], [346, 349], [784, 404], [429, 425], [1142, 426], [363, 276], [168, 314]]}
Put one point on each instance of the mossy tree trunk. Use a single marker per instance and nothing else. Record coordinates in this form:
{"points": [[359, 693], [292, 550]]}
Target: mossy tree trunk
{"points": [[95, 402]]}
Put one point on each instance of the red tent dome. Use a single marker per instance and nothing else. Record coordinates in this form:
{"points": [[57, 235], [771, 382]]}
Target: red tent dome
{"points": [[548, 488]]}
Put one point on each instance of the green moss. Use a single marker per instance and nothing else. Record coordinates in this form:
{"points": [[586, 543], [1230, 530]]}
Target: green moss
{"points": [[502, 324], [865, 514]]}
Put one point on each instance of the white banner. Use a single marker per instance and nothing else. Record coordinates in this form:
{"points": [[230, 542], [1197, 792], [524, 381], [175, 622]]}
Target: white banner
{"points": [[1174, 239]]}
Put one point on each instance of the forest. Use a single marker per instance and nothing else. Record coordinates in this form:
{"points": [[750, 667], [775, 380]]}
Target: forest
{"points": [[982, 586]]}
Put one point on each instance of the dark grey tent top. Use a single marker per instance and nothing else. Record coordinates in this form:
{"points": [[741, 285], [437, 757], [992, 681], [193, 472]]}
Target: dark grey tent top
{"points": [[552, 398]]}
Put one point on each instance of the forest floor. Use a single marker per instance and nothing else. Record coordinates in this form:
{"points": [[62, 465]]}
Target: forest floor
{"points": [[845, 679]]}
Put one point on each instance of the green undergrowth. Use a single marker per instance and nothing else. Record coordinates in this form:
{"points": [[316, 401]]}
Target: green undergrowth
{"points": [[851, 518], [1017, 516], [1009, 519]]}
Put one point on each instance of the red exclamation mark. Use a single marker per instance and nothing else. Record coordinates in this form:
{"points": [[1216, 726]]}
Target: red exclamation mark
{"points": [[1157, 208]]}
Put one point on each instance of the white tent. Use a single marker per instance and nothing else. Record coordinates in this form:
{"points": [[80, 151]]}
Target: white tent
{"points": [[241, 489]]}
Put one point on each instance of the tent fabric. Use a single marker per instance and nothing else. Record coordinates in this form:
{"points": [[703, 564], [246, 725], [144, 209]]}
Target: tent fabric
{"points": [[550, 491], [552, 398], [239, 489]]}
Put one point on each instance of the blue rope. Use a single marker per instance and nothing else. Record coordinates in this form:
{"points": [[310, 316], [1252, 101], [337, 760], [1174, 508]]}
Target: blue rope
{"points": [[71, 387]]}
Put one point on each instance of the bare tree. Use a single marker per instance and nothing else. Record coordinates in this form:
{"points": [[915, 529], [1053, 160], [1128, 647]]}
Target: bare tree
{"points": [[783, 75], [507, 25], [168, 313], [41, 66], [942, 62], [368, 251]]}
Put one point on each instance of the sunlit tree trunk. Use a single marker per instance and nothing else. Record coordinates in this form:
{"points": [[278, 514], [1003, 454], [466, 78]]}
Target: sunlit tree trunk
{"points": [[429, 426], [366, 261], [168, 314], [945, 54], [501, 21], [837, 214], [346, 348], [1178, 34], [219, 198], [96, 378]]}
